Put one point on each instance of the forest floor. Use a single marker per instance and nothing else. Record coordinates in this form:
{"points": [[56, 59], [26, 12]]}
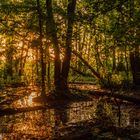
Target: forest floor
{"points": [[78, 92]]}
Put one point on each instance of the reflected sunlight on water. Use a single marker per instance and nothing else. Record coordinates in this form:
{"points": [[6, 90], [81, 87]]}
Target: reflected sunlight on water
{"points": [[82, 111], [26, 101], [30, 98], [1, 136]]}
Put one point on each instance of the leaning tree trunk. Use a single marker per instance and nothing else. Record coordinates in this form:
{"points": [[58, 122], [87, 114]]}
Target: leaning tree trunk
{"points": [[95, 73]]}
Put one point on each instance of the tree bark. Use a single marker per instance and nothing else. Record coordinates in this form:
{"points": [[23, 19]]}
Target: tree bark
{"points": [[96, 74], [52, 32], [41, 49], [67, 56], [135, 68]]}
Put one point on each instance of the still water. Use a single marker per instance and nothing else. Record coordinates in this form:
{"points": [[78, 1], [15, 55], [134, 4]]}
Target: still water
{"points": [[66, 119]]}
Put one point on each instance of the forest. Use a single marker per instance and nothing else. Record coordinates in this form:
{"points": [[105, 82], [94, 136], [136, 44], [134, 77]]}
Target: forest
{"points": [[70, 65]]}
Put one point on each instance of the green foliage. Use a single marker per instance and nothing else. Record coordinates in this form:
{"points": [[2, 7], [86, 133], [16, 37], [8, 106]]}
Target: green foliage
{"points": [[120, 67], [83, 79], [100, 28]]}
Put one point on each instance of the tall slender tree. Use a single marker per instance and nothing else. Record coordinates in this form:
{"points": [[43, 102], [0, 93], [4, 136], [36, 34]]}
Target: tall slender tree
{"points": [[52, 33], [41, 48], [67, 55]]}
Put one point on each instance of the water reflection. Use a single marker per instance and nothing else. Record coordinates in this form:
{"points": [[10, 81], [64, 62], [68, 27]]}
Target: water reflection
{"points": [[26, 101], [52, 122], [30, 98], [1, 136], [82, 111]]}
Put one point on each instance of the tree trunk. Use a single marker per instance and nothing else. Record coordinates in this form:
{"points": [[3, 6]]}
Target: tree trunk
{"points": [[96, 74], [52, 33], [41, 49], [67, 56], [61, 75], [135, 68], [48, 67], [114, 58]]}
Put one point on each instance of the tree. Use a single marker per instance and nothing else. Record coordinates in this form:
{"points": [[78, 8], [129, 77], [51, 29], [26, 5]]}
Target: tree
{"points": [[41, 48], [103, 33], [68, 48], [61, 72]]}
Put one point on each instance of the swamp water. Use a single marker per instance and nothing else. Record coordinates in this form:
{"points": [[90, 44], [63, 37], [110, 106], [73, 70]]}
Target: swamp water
{"points": [[62, 121]]}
